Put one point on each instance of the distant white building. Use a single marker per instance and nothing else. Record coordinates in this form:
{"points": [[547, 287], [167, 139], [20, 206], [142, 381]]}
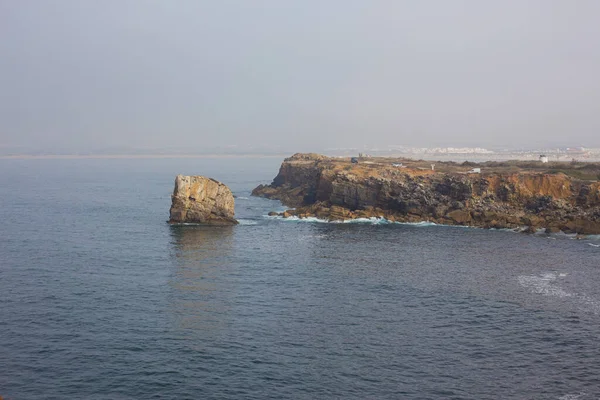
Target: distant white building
{"points": [[475, 171], [543, 158]]}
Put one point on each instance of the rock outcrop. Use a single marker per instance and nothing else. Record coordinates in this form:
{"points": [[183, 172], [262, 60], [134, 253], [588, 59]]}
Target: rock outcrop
{"points": [[503, 196], [201, 200]]}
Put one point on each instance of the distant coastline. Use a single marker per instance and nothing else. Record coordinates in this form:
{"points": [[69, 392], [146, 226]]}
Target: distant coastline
{"points": [[445, 154], [131, 156]]}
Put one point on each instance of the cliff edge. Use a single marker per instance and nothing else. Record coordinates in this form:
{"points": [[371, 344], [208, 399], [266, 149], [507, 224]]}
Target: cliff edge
{"points": [[555, 196], [201, 200]]}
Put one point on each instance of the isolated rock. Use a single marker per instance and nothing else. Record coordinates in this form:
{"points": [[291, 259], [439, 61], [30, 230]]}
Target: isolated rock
{"points": [[201, 200]]}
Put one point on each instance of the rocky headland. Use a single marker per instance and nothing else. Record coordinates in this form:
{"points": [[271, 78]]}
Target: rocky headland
{"points": [[201, 200], [554, 196]]}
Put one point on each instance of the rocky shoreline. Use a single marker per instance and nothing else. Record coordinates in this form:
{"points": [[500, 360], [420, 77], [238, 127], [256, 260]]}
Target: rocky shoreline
{"points": [[501, 195]]}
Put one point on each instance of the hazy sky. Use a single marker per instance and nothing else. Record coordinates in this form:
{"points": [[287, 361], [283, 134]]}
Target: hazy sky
{"points": [[299, 74]]}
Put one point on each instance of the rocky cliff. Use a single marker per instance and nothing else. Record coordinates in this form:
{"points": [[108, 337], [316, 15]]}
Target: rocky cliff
{"points": [[501, 196], [201, 200]]}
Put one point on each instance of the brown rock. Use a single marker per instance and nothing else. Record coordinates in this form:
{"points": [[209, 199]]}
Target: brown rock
{"points": [[201, 200], [552, 229], [489, 215], [337, 213], [580, 225], [498, 224], [532, 220], [440, 211], [414, 211], [460, 216], [513, 220], [322, 212]]}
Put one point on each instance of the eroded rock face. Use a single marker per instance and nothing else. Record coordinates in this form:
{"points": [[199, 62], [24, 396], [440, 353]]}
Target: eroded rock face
{"points": [[336, 190], [201, 200]]}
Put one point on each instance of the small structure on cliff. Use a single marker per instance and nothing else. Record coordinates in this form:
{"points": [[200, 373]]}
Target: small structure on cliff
{"points": [[201, 200]]}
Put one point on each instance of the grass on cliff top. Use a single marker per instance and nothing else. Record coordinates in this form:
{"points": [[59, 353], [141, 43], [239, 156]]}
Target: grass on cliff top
{"points": [[380, 166], [578, 170], [584, 175]]}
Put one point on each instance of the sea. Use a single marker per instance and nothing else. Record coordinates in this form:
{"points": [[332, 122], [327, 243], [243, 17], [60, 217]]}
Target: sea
{"points": [[100, 298]]}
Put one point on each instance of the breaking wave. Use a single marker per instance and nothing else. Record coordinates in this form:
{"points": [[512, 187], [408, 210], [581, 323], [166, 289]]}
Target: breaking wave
{"points": [[383, 221], [247, 222], [544, 284], [311, 237], [547, 284], [372, 221], [369, 221], [425, 223], [298, 219], [572, 396]]}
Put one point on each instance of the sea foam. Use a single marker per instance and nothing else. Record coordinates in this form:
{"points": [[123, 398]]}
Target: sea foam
{"points": [[547, 284], [544, 284], [572, 396], [366, 221], [247, 222]]}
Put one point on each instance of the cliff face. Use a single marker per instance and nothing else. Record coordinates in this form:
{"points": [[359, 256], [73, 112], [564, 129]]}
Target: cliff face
{"points": [[201, 200], [337, 190]]}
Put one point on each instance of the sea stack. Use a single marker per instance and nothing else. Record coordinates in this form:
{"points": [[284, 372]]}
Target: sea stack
{"points": [[201, 200]]}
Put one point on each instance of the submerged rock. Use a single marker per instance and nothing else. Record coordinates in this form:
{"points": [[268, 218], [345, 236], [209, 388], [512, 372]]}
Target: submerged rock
{"points": [[201, 200]]}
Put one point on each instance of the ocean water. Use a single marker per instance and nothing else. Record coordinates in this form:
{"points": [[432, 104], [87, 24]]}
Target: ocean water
{"points": [[101, 299]]}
